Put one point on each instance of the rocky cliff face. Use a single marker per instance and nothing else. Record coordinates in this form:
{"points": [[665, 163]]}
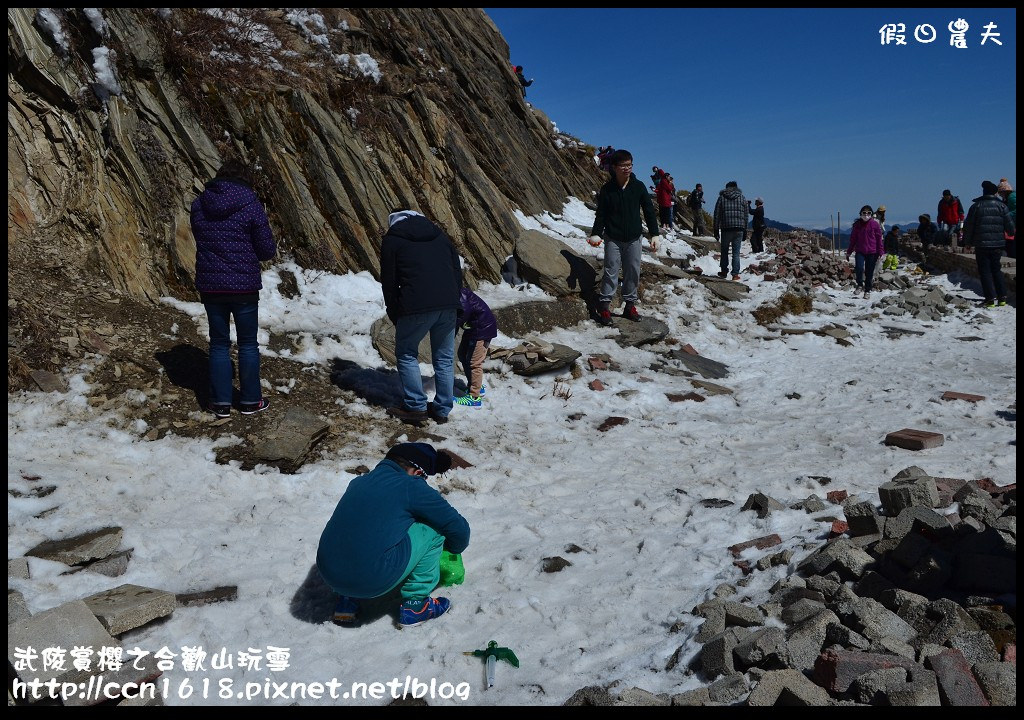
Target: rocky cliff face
{"points": [[116, 119]]}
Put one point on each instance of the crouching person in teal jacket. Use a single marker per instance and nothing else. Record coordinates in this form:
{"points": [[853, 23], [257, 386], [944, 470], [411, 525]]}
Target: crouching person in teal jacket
{"points": [[388, 532]]}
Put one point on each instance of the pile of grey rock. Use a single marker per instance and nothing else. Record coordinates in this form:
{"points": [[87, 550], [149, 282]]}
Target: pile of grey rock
{"points": [[921, 302], [903, 606]]}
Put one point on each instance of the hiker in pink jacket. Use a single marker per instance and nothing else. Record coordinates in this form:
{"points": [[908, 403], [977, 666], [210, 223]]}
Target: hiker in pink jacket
{"points": [[866, 241]]}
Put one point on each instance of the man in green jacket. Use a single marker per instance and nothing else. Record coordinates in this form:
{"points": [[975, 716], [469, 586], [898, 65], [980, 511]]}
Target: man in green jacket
{"points": [[618, 221]]}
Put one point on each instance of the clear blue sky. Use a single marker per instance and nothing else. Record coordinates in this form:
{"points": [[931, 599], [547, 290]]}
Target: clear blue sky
{"points": [[805, 108]]}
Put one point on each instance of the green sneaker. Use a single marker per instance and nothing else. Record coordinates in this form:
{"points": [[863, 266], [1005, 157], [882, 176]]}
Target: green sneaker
{"points": [[469, 401], [1002, 303]]}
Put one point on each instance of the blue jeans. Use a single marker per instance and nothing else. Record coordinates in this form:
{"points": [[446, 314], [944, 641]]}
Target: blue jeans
{"points": [[731, 239], [625, 256], [864, 266], [409, 330], [246, 324], [989, 272]]}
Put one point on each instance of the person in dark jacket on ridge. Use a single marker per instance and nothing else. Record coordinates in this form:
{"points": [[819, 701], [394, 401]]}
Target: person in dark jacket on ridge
{"points": [[479, 327], [925, 231], [696, 204], [730, 227], [620, 202], [421, 276], [757, 236], [232, 236], [388, 532], [988, 222], [523, 82]]}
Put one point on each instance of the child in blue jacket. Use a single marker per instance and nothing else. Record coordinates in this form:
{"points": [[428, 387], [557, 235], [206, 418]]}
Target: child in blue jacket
{"points": [[388, 531], [479, 327]]}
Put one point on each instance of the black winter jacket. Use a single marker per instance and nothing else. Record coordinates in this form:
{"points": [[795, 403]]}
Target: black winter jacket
{"points": [[987, 220], [926, 233], [419, 269], [618, 211]]}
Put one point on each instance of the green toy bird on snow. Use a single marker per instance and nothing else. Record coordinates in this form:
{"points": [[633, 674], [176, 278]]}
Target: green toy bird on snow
{"points": [[493, 653]]}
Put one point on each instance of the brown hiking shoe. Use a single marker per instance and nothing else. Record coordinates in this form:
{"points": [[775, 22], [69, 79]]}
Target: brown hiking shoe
{"points": [[413, 417]]}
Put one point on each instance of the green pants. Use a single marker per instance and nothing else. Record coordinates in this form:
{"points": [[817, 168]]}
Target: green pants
{"points": [[424, 569]]}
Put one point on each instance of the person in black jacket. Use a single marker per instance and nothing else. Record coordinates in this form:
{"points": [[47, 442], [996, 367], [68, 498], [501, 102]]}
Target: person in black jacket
{"points": [[421, 278], [988, 222], [757, 237], [696, 204], [617, 220], [925, 231], [523, 82]]}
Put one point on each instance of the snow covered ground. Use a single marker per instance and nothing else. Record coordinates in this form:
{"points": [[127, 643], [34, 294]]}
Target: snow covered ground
{"points": [[541, 482]]}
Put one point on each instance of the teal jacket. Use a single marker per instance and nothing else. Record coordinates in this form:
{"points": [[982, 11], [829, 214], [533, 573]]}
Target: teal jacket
{"points": [[365, 548], [618, 211]]}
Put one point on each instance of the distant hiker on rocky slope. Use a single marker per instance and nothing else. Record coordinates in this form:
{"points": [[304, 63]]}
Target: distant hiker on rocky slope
{"points": [[757, 236], [523, 82], [696, 204], [232, 236]]}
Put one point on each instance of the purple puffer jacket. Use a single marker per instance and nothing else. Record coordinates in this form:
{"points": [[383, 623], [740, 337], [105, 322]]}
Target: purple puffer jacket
{"points": [[232, 237], [866, 238], [475, 314]]}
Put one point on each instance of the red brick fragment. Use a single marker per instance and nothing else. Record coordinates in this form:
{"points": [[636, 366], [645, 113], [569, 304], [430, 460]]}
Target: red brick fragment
{"points": [[689, 349], [910, 439], [951, 395], [1010, 654], [596, 364], [836, 496], [680, 397], [838, 528], [760, 543], [596, 385]]}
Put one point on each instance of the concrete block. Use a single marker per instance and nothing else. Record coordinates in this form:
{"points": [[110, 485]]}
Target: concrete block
{"points": [[910, 439], [806, 639], [765, 648], [898, 495], [976, 646], [81, 548], [835, 669], [870, 687], [922, 690], [738, 614], [692, 698], [728, 689], [130, 606], [863, 518], [638, 697], [786, 687], [716, 656], [957, 685], [65, 626], [873, 620], [801, 610], [998, 680], [841, 555]]}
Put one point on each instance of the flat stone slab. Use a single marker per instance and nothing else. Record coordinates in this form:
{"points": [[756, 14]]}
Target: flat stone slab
{"points": [[80, 548], [130, 606], [711, 388], [910, 439], [560, 356], [224, 593], [680, 397], [48, 382], [633, 333], [701, 365], [287, 445], [951, 395], [538, 316], [66, 626]]}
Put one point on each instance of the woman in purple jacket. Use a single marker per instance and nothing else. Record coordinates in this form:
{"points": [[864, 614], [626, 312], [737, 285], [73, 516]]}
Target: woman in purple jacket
{"points": [[479, 327], [232, 237], [866, 241]]}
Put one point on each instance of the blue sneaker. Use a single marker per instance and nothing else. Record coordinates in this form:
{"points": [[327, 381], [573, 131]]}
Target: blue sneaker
{"points": [[417, 612], [483, 389], [346, 612], [469, 401]]}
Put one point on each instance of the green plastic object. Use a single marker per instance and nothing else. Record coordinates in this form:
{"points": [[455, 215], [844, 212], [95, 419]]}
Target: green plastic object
{"points": [[453, 572]]}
